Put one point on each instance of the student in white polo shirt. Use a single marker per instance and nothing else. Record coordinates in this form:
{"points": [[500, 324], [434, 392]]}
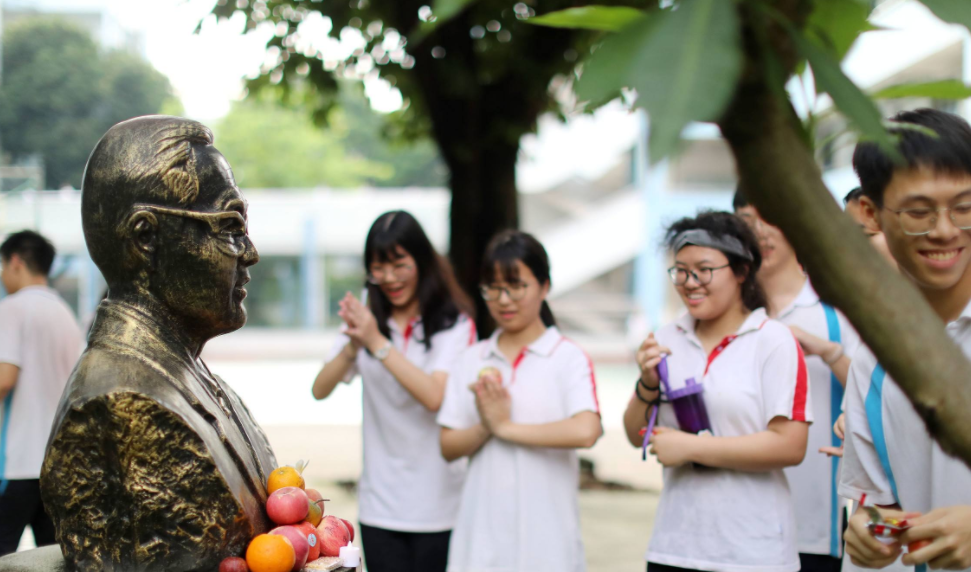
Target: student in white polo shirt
{"points": [[519, 404], [40, 343], [402, 343], [923, 208], [726, 505], [828, 340]]}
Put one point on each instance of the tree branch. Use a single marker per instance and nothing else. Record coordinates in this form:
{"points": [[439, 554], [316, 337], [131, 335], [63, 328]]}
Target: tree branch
{"points": [[782, 180]]}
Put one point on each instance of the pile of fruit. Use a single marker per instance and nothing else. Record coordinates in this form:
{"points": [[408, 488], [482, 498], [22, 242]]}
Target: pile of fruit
{"points": [[304, 533]]}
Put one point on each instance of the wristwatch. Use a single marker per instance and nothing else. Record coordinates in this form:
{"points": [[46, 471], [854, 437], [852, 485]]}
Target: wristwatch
{"points": [[384, 351]]}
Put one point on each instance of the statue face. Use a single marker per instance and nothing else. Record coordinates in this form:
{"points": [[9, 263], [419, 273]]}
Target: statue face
{"points": [[204, 252]]}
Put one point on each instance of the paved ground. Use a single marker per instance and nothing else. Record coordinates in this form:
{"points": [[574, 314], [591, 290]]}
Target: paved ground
{"points": [[616, 524]]}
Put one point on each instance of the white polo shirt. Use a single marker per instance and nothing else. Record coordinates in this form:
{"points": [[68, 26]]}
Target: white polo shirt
{"points": [[819, 509], [519, 508], [723, 520], [406, 485], [888, 454], [39, 335]]}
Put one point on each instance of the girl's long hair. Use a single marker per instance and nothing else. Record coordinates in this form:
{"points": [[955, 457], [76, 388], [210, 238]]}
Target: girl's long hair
{"points": [[505, 249], [726, 224], [440, 300]]}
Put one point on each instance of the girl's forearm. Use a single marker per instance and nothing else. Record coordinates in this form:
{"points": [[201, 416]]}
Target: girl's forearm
{"points": [[333, 372], [578, 432], [635, 417], [759, 452], [458, 443], [427, 389]]}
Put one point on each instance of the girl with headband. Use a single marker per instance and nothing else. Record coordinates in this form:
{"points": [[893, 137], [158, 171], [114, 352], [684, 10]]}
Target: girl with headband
{"points": [[725, 505]]}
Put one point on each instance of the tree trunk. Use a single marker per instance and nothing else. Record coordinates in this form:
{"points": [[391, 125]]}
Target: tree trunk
{"points": [[782, 180]]}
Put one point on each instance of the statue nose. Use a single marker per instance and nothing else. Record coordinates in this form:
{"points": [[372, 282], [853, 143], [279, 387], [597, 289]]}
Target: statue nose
{"points": [[250, 255]]}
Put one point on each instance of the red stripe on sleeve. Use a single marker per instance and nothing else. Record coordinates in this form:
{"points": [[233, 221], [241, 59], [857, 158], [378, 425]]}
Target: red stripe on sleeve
{"points": [[472, 332], [802, 387], [593, 382]]}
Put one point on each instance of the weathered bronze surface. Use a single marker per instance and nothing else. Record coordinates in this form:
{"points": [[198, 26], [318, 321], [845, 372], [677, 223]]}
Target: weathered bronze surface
{"points": [[153, 462]]}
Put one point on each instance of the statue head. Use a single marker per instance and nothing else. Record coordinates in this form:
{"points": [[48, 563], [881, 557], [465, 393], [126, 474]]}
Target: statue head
{"points": [[166, 224]]}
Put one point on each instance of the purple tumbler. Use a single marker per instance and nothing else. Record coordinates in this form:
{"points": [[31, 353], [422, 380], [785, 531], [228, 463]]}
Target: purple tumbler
{"points": [[689, 407]]}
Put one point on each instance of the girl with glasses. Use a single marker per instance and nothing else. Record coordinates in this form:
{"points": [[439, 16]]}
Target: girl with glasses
{"points": [[402, 343], [519, 405], [725, 505]]}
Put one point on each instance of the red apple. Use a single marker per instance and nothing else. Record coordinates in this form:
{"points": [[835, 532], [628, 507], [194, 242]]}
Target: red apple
{"points": [[233, 564], [350, 529], [301, 548], [311, 532], [332, 535], [288, 505]]}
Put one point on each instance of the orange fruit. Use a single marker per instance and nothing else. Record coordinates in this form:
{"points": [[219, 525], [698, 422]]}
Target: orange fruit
{"points": [[270, 553], [284, 477]]}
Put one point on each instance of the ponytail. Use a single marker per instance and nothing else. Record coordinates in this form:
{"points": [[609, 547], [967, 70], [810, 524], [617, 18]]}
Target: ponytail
{"points": [[547, 315]]}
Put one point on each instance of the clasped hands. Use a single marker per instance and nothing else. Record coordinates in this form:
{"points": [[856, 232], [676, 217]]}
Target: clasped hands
{"points": [[492, 401], [361, 326]]}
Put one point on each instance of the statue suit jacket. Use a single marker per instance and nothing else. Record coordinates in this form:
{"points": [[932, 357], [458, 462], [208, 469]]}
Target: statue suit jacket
{"points": [[153, 463]]}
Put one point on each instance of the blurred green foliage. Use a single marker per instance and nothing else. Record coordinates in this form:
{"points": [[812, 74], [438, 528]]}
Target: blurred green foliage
{"points": [[60, 93]]}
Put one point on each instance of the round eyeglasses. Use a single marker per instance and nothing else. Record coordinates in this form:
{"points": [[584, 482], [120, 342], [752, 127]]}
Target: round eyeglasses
{"points": [[679, 276], [919, 221], [397, 273], [492, 293]]}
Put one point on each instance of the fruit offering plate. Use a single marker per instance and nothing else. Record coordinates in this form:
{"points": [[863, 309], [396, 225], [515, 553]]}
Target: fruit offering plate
{"points": [[324, 563]]}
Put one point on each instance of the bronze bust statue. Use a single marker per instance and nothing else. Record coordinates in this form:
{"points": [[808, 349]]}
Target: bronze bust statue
{"points": [[153, 462]]}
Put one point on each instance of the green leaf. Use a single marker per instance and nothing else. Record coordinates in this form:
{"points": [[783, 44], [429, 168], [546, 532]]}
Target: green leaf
{"points": [[445, 10], [684, 64], [847, 97], [836, 24], [603, 18], [442, 11], [953, 11], [946, 89]]}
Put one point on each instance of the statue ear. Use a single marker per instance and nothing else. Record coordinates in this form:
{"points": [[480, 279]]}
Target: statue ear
{"points": [[141, 229]]}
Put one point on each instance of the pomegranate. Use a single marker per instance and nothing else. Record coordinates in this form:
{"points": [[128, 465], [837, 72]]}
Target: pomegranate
{"points": [[288, 505], [332, 534], [350, 529], [233, 564], [301, 548]]}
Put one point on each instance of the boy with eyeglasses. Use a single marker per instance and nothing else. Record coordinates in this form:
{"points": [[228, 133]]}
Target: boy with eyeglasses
{"points": [[828, 341], [923, 208]]}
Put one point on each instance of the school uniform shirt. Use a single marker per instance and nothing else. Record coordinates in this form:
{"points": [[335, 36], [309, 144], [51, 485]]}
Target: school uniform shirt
{"points": [[819, 509], [889, 456], [39, 335], [519, 509], [405, 484], [718, 519]]}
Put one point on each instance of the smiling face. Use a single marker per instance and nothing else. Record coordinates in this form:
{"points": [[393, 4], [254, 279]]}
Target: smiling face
{"points": [[516, 315], [776, 250], [707, 301], [202, 266], [939, 259], [397, 278]]}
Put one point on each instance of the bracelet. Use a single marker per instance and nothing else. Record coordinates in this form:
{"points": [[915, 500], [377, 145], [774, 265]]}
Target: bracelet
{"points": [[637, 392], [836, 355], [640, 381]]}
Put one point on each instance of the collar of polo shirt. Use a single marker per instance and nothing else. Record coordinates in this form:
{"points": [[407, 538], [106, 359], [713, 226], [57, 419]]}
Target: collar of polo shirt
{"points": [[543, 346], [752, 323]]}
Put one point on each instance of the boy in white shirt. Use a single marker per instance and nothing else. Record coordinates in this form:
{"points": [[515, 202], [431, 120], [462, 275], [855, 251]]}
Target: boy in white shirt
{"points": [[40, 343], [923, 209], [828, 340]]}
